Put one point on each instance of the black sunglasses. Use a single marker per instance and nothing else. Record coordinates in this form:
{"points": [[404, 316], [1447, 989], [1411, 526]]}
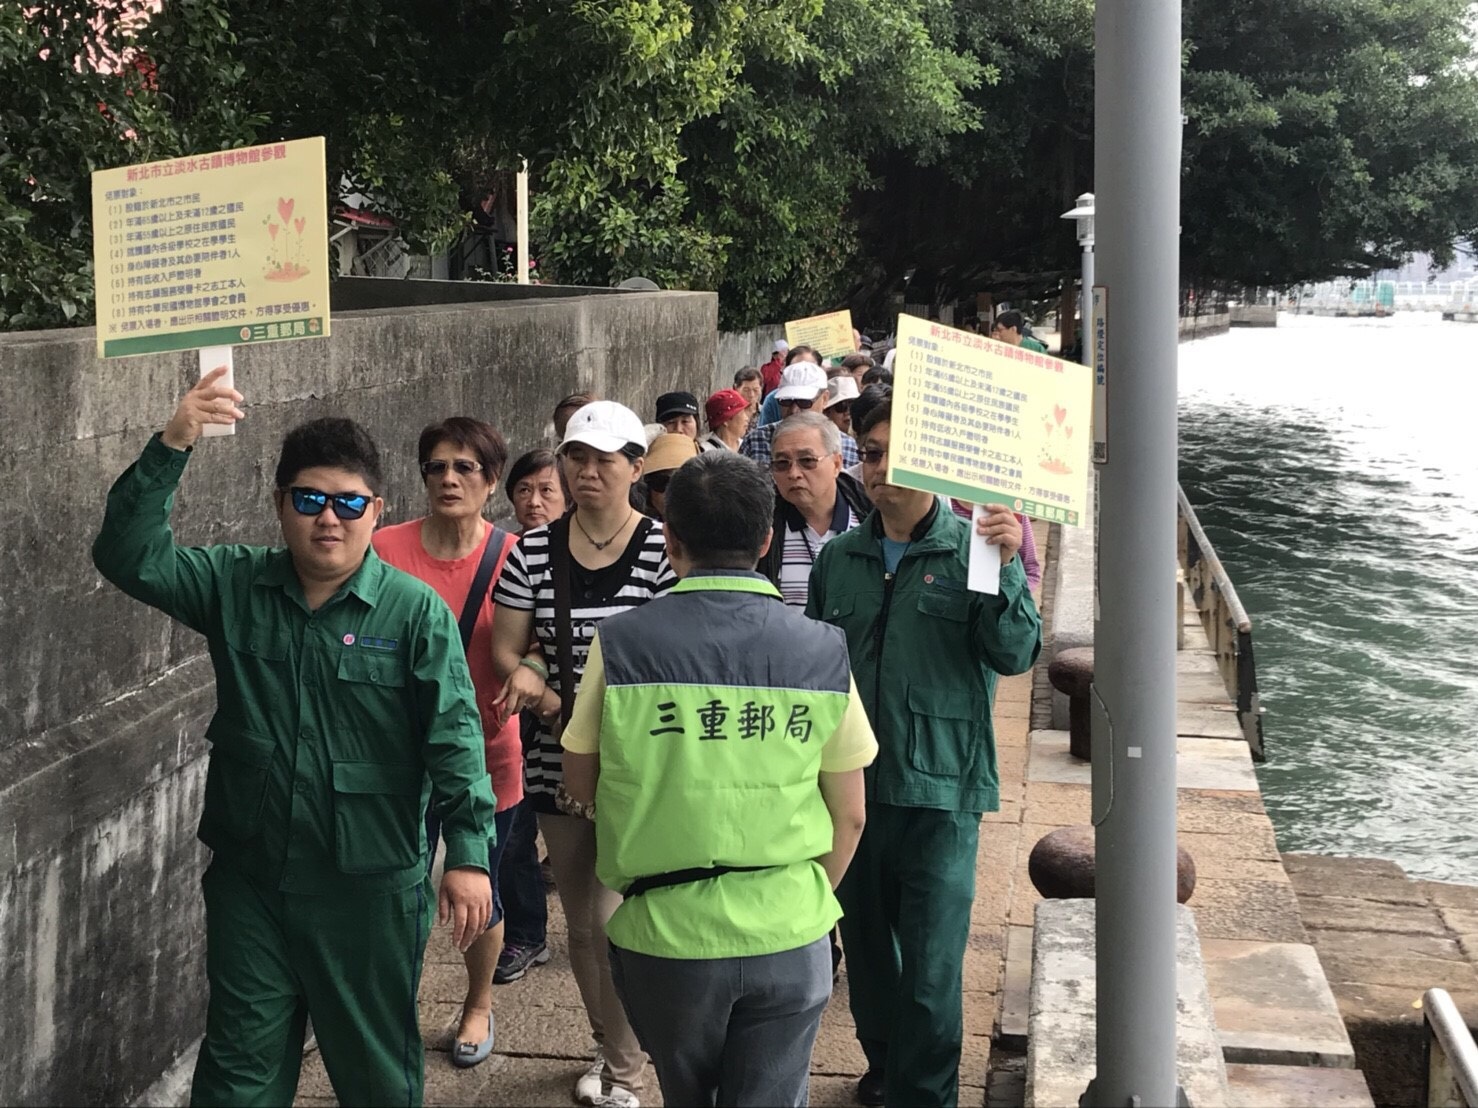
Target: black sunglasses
{"points": [[798, 403], [437, 467], [347, 505], [657, 482], [872, 455]]}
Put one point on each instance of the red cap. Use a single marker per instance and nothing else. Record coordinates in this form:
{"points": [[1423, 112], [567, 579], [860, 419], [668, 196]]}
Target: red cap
{"points": [[723, 406]]}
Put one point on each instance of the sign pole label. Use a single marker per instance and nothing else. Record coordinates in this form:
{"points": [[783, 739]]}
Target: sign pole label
{"points": [[1098, 329]]}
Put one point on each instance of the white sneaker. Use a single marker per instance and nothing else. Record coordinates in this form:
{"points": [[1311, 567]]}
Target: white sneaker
{"points": [[588, 1087], [618, 1097]]}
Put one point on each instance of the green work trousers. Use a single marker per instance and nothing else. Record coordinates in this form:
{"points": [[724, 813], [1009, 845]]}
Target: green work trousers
{"points": [[352, 963], [907, 898]]}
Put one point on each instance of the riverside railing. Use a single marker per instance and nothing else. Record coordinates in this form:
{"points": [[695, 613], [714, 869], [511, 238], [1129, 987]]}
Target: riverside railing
{"points": [[1224, 620], [1452, 1056]]}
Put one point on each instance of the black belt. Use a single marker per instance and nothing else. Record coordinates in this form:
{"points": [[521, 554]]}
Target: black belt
{"points": [[643, 885]]}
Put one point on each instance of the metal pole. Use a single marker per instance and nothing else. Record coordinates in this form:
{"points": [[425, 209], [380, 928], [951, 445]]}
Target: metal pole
{"points": [[1137, 189], [1085, 312], [522, 255]]}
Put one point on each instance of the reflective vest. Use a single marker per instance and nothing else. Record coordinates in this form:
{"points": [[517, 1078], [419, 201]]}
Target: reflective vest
{"points": [[719, 700]]}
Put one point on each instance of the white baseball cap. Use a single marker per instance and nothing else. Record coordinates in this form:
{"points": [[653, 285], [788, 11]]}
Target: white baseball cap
{"points": [[606, 426], [780, 347], [839, 389], [801, 381]]}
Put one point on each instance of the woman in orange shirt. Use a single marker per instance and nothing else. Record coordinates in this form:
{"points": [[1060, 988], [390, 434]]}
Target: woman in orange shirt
{"points": [[460, 554]]}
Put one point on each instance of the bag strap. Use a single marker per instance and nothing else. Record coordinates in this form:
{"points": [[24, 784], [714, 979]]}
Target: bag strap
{"points": [[493, 555], [643, 885], [564, 633]]}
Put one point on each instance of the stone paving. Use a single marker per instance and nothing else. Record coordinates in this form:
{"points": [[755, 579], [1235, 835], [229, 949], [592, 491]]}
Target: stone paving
{"points": [[1383, 940], [543, 1038]]}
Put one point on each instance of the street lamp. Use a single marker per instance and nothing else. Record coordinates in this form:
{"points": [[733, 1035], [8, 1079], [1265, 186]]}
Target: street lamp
{"points": [[1082, 214]]}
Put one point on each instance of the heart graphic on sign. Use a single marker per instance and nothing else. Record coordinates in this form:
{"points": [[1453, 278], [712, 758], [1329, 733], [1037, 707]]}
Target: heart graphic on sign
{"points": [[272, 230], [285, 209], [1059, 413], [298, 224]]}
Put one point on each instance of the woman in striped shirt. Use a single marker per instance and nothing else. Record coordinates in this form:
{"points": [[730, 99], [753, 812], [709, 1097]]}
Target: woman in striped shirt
{"points": [[616, 561]]}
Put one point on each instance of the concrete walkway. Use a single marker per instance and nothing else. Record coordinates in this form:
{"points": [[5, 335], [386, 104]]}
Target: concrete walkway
{"points": [[543, 1039]]}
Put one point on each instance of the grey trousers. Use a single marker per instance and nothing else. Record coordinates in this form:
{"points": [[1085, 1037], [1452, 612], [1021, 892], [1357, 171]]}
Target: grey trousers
{"points": [[728, 1031]]}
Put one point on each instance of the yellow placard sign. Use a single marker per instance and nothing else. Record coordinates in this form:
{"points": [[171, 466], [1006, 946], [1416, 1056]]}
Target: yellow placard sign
{"points": [[987, 422], [212, 249], [830, 335]]}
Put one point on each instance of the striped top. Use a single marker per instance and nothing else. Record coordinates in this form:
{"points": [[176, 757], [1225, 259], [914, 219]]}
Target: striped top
{"points": [[798, 555], [642, 573]]}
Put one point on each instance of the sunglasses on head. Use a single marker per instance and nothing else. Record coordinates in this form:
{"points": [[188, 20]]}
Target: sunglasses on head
{"points": [[347, 505], [798, 403], [437, 467], [785, 465]]}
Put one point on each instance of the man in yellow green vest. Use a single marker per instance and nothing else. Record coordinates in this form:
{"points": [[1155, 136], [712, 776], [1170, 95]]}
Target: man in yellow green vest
{"points": [[720, 735], [926, 652], [340, 686]]}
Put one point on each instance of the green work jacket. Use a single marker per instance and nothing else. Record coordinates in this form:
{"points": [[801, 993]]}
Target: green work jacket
{"points": [[925, 652], [327, 722]]}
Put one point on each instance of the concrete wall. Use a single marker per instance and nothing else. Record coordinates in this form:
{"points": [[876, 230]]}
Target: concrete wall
{"points": [[737, 349], [103, 701]]}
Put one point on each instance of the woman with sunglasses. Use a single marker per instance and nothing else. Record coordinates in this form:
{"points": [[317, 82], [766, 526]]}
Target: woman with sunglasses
{"points": [[603, 558], [459, 554]]}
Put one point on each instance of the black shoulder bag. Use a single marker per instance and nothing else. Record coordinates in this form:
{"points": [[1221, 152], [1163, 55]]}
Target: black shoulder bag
{"points": [[481, 581]]}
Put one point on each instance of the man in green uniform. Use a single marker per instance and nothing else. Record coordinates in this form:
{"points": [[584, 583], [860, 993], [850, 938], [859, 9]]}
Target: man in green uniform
{"points": [[1010, 327], [925, 652], [340, 685], [722, 738]]}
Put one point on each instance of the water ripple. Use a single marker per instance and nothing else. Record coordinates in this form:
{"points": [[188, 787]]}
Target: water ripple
{"points": [[1334, 474]]}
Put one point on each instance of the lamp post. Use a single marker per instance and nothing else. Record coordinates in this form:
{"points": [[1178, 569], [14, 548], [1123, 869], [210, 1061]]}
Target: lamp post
{"points": [[1082, 214], [1136, 170]]}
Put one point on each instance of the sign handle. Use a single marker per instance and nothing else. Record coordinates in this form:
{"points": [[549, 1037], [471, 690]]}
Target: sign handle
{"points": [[213, 357]]}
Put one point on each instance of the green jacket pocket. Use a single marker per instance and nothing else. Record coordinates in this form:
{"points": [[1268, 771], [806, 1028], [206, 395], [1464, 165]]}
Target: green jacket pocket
{"points": [[943, 730], [377, 816], [235, 786]]}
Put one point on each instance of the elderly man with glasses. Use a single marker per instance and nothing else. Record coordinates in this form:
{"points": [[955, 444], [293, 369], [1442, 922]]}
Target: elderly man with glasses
{"points": [[802, 389], [817, 501]]}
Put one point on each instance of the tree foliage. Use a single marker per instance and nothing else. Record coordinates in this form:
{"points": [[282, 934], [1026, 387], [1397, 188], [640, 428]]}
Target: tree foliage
{"points": [[792, 154], [1326, 137]]}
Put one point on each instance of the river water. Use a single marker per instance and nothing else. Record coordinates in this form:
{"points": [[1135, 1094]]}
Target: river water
{"points": [[1334, 465]]}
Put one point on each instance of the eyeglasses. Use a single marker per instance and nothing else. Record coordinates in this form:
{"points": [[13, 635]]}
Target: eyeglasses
{"points": [[347, 505], [437, 467], [872, 455], [843, 406], [785, 465], [798, 403]]}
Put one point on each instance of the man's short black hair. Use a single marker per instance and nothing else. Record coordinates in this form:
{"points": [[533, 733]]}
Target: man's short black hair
{"points": [[1012, 320], [869, 399], [720, 505], [877, 375], [882, 413], [331, 441]]}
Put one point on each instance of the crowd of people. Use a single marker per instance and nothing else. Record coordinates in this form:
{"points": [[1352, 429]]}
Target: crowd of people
{"points": [[730, 676]]}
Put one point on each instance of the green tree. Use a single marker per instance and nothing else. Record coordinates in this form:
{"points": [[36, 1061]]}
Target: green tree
{"points": [[75, 97], [1326, 137]]}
